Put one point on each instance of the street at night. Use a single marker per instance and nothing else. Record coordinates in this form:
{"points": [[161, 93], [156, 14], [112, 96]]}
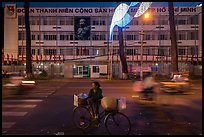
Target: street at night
{"points": [[101, 68], [170, 114]]}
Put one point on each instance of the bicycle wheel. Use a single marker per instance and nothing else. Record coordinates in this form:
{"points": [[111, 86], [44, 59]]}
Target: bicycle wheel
{"points": [[82, 117], [117, 123]]}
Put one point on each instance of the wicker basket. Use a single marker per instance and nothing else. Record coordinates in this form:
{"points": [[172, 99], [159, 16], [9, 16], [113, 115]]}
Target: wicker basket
{"points": [[82, 102]]}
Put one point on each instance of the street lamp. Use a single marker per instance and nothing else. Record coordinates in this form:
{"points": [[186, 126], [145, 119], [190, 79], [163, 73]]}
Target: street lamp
{"points": [[146, 16]]}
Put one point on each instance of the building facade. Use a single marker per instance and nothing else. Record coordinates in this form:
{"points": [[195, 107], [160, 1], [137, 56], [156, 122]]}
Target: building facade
{"points": [[74, 42]]}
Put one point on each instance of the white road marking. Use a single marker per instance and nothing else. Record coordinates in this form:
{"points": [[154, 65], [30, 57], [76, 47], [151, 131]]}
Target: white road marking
{"points": [[7, 124], [24, 100], [42, 93], [135, 96], [19, 106], [8, 113]]}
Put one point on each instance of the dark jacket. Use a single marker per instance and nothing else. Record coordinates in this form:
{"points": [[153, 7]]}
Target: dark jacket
{"points": [[95, 96]]}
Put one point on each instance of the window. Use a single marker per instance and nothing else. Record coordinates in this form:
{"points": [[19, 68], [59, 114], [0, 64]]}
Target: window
{"points": [[193, 20], [33, 37], [98, 21], [38, 51], [181, 36], [50, 51], [33, 51], [181, 51], [45, 21], [134, 22], [21, 20], [64, 37], [163, 20], [180, 22], [162, 37], [147, 37], [194, 50], [71, 37], [146, 51], [21, 35], [19, 50], [161, 52], [192, 35], [130, 37], [129, 52], [85, 51], [95, 69], [50, 37], [98, 36], [34, 20], [38, 37], [115, 37]]}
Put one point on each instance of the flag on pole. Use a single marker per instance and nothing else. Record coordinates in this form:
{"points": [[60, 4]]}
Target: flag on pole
{"points": [[146, 58], [45, 58], [31, 59], [137, 58], [192, 59], [152, 59], [157, 58], [166, 59], [81, 51], [197, 60], [50, 58], [63, 58], [84, 51], [186, 59], [17, 59], [162, 59], [112, 57], [54, 59], [22, 59], [77, 51], [117, 59], [59, 59], [40, 57], [11, 58], [2, 58], [7, 58], [37, 59], [132, 59]]}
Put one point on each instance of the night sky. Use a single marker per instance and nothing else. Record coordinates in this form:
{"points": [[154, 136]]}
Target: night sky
{"points": [[95, 4]]}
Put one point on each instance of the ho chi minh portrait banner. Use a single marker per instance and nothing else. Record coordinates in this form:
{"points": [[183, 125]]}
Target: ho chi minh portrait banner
{"points": [[82, 28]]}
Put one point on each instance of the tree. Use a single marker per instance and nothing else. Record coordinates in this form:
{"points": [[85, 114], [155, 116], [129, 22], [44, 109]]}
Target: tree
{"points": [[122, 53], [28, 41], [174, 55]]}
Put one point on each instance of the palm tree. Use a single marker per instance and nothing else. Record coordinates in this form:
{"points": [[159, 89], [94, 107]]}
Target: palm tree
{"points": [[174, 55], [122, 53], [28, 41]]}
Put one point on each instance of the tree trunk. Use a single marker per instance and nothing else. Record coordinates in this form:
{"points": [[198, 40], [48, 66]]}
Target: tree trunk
{"points": [[122, 53], [28, 42], [174, 55]]}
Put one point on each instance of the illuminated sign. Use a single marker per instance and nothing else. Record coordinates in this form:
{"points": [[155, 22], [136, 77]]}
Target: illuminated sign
{"points": [[121, 17]]}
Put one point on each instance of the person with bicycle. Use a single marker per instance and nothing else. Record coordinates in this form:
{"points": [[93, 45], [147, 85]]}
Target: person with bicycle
{"points": [[94, 97]]}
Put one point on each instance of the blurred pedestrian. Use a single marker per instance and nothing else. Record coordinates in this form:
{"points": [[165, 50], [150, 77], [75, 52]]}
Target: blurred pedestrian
{"points": [[148, 86]]}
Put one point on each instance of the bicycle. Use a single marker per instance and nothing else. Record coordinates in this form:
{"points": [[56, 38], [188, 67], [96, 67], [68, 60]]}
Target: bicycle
{"points": [[115, 122]]}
